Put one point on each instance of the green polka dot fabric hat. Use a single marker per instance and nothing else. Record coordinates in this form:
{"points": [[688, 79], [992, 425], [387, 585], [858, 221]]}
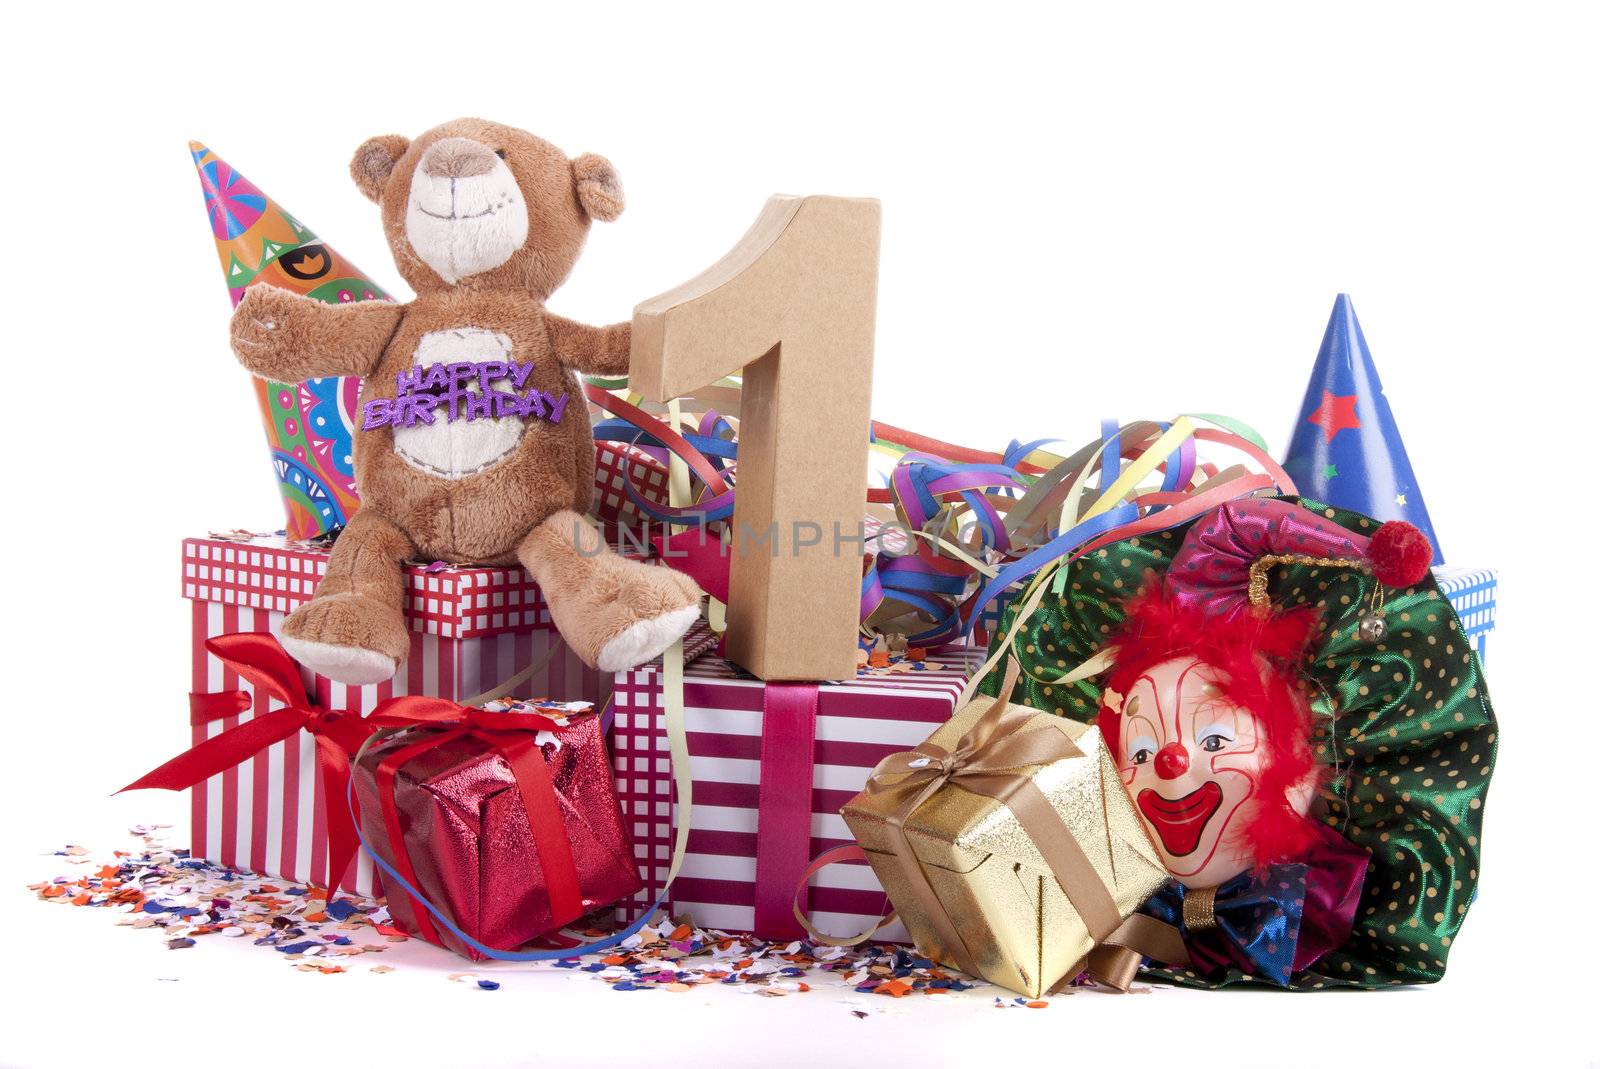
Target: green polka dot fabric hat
{"points": [[1302, 724]]}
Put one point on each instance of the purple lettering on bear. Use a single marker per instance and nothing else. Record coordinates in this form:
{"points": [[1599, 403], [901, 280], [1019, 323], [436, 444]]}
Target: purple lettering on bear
{"points": [[426, 391], [436, 378], [422, 406], [376, 412], [557, 405], [491, 370], [455, 403], [530, 406], [408, 380]]}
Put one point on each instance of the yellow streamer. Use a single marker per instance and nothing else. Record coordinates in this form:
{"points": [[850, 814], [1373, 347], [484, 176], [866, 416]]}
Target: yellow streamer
{"points": [[678, 747]]}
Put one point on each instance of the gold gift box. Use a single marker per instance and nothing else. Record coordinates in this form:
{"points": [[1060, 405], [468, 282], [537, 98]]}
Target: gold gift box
{"points": [[986, 870]]}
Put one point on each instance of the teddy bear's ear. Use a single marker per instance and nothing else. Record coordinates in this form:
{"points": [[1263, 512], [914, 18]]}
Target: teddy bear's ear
{"points": [[599, 188], [374, 161]]}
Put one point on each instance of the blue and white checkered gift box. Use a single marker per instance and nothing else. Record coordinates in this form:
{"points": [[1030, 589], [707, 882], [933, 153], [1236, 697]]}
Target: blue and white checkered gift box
{"points": [[1471, 592]]}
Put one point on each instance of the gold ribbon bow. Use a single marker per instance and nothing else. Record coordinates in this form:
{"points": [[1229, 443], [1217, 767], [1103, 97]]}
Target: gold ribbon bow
{"points": [[990, 760]]}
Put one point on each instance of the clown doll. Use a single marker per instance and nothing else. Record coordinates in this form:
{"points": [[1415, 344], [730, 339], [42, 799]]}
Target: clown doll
{"points": [[1270, 686]]}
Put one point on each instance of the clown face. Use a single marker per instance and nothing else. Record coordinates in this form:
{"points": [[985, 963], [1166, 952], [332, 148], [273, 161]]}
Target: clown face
{"points": [[1192, 760]]}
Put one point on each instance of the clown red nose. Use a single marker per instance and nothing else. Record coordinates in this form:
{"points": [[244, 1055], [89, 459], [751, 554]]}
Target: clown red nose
{"points": [[1172, 761]]}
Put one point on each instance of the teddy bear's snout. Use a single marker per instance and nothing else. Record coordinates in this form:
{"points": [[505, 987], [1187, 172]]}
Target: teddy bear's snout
{"points": [[457, 157]]}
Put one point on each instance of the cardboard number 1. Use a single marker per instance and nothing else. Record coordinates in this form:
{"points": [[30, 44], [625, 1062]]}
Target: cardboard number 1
{"points": [[793, 305]]}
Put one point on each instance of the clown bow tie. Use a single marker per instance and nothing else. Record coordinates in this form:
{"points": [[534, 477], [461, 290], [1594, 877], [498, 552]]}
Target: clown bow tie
{"points": [[1249, 922], [1271, 925]]}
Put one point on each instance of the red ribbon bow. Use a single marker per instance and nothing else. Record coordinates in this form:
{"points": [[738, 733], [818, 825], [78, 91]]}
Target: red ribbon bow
{"points": [[515, 737], [258, 657]]}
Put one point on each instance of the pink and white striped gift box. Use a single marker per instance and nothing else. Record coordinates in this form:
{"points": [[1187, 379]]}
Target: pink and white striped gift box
{"points": [[473, 628], [857, 723]]}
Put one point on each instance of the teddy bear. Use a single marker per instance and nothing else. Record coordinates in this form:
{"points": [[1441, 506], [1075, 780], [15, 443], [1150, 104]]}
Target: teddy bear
{"points": [[474, 444]]}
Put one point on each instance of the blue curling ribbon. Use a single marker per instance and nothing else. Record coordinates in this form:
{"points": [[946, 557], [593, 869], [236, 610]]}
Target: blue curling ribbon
{"points": [[902, 573], [917, 474], [616, 430], [1017, 452], [1111, 458], [1023, 567], [944, 619]]}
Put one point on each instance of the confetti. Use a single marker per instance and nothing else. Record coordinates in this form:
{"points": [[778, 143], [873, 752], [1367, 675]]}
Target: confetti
{"points": [[674, 956], [186, 899], [888, 655], [342, 910]]}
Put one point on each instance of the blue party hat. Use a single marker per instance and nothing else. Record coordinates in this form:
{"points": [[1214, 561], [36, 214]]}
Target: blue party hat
{"points": [[1346, 450]]}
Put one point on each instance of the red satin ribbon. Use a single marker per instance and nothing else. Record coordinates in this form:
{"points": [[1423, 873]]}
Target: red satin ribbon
{"points": [[512, 735], [700, 555], [783, 804], [257, 657]]}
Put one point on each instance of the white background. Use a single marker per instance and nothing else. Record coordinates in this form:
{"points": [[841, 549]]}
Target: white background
{"points": [[1088, 210]]}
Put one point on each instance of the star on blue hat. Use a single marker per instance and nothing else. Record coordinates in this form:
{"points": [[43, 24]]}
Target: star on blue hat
{"points": [[1346, 450]]}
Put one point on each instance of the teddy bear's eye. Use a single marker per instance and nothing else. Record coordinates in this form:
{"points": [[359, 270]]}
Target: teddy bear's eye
{"points": [[500, 152]]}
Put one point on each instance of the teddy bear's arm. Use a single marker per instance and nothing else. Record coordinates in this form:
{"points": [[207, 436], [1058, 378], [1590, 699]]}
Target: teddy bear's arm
{"points": [[591, 350], [285, 337]]}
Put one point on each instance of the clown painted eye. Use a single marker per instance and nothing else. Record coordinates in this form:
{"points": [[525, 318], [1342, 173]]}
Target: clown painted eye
{"points": [[1141, 750], [1215, 737]]}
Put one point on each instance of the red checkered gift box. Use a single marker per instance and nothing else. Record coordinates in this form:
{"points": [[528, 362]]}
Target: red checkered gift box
{"points": [[472, 629], [772, 765], [616, 465]]}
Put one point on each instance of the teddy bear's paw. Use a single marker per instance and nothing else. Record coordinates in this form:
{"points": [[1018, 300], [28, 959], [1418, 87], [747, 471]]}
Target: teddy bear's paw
{"points": [[652, 609], [262, 328], [347, 638], [650, 590], [350, 665], [645, 640]]}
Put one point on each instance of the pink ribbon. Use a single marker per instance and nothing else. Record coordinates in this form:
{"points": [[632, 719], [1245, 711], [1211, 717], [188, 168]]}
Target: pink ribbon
{"points": [[783, 804]]}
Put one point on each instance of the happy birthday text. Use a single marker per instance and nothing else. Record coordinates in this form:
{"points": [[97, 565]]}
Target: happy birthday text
{"points": [[426, 392]]}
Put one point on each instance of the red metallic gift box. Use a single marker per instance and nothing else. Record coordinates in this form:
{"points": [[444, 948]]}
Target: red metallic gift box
{"points": [[511, 830]]}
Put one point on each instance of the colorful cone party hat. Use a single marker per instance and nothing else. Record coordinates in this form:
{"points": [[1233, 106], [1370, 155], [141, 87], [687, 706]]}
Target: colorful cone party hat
{"points": [[309, 424], [1346, 450]]}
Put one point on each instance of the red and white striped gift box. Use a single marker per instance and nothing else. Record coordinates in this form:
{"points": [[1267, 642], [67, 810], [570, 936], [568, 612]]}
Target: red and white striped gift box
{"points": [[858, 723], [472, 628]]}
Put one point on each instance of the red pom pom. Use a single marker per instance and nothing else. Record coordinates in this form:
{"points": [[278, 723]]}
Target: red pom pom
{"points": [[1400, 554]]}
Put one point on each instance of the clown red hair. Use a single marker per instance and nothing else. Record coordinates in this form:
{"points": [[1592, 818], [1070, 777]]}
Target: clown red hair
{"points": [[1260, 656]]}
